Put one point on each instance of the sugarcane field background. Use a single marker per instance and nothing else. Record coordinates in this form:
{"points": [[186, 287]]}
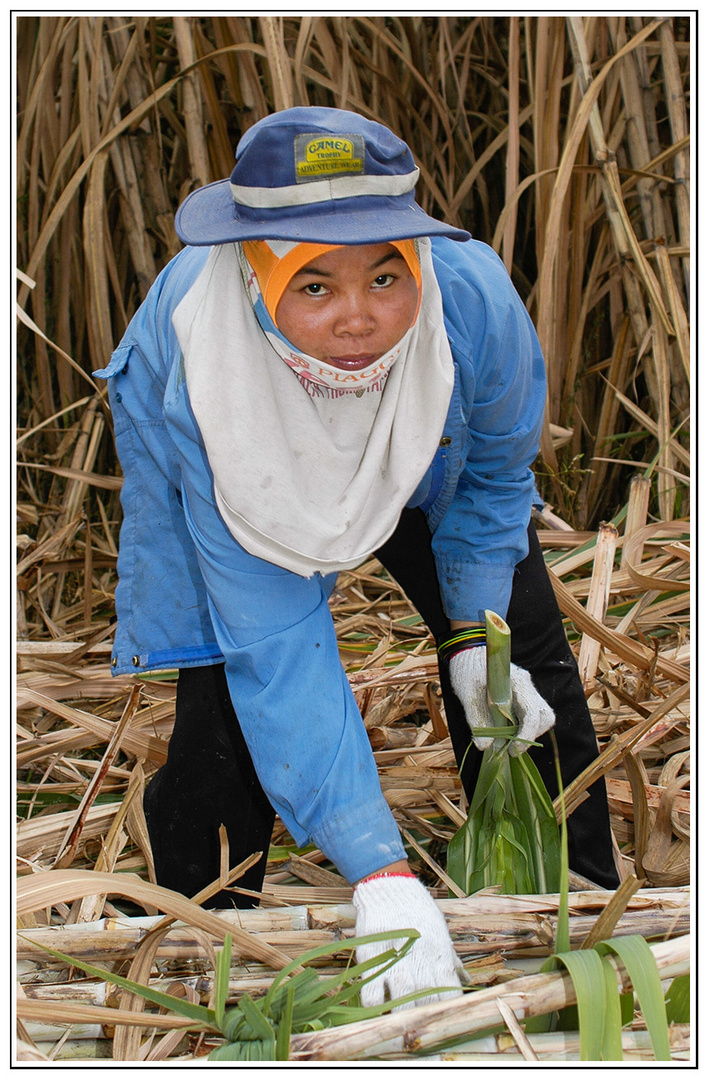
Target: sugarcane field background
{"points": [[564, 143]]}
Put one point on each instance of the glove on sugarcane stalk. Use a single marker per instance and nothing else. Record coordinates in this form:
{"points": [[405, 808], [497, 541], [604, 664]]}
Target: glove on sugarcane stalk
{"points": [[400, 902], [468, 675]]}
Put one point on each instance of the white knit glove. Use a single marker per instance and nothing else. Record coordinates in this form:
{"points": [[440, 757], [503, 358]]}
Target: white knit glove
{"points": [[468, 675], [400, 903]]}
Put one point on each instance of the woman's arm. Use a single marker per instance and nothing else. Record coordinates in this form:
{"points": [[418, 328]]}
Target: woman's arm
{"points": [[295, 706], [482, 534]]}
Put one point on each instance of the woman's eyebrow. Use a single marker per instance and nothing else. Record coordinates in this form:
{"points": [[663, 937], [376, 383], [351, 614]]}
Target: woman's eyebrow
{"points": [[385, 258], [311, 270], [327, 273]]}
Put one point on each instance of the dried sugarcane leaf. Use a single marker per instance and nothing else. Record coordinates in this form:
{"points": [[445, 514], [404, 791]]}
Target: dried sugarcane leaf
{"points": [[516, 1031], [620, 645], [599, 590], [60, 886], [642, 821], [69, 844], [612, 912], [58, 1012], [91, 907], [663, 852], [143, 746]]}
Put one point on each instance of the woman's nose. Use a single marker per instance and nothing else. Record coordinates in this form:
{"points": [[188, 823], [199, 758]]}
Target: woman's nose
{"points": [[354, 316]]}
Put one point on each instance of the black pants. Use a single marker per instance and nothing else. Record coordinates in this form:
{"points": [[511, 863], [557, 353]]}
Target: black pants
{"points": [[539, 645], [207, 781], [209, 778]]}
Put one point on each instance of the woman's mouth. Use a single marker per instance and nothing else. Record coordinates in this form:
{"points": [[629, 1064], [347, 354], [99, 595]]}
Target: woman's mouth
{"points": [[352, 363]]}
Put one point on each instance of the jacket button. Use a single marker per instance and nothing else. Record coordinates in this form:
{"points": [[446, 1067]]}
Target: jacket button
{"points": [[135, 661], [445, 441], [114, 661]]}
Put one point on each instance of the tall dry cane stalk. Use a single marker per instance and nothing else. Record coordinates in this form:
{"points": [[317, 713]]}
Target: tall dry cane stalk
{"points": [[109, 144], [627, 244], [589, 117], [677, 115], [192, 103]]}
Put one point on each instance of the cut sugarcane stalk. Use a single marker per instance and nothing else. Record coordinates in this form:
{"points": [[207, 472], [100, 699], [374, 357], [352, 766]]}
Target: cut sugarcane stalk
{"points": [[511, 837], [499, 693]]}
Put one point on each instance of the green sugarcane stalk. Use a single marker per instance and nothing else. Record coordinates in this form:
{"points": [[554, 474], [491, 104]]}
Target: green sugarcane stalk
{"points": [[499, 692], [510, 838]]}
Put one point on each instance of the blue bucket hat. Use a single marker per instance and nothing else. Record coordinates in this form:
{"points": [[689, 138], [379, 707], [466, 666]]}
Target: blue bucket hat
{"points": [[313, 175]]}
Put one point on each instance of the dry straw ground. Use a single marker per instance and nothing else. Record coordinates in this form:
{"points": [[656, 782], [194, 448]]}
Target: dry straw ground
{"points": [[564, 143]]}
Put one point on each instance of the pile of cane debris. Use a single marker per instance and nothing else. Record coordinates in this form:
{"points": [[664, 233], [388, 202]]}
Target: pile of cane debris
{"points": [[87, 743]]}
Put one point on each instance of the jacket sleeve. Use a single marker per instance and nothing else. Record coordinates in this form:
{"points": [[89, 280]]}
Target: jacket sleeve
{"points": [[483, 533], [295, 706]]}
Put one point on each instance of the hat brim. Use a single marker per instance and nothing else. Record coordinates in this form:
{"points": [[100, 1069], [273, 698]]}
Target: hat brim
{"points": [[210, 216]]}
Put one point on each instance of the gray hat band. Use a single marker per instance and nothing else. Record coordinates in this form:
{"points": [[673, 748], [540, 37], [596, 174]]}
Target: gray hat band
{"points": [[341, 187]]}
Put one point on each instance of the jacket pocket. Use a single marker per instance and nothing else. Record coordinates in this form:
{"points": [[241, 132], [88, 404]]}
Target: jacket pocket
{"points": [[118, 361]]}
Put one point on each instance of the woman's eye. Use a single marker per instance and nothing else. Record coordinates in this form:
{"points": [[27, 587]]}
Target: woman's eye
{"points": [[383, 280], [315, 288]]}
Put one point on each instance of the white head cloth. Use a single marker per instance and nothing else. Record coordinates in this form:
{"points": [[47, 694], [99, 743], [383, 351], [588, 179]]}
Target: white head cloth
{"points": [[310, 483]]}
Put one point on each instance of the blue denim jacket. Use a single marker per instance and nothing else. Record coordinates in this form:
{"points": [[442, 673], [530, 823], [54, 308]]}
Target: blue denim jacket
{"points": [[189, 594]]}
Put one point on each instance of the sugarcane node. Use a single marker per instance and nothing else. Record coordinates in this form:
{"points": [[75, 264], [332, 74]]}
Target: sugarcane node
{"points": [[497, 622]]}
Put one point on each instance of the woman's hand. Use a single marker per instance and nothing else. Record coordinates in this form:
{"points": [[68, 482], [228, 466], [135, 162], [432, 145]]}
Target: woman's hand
{"points": [[468, 675], [398, 901]]}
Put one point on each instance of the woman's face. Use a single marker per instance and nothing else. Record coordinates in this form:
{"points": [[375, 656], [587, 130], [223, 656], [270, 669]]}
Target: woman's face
{"points": [[350, 306]]}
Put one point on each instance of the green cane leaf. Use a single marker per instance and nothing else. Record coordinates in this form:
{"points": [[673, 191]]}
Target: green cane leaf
{"points": [[285, 1026], [510, 838], [536, 811], [563, 938], [222, 968], [227, 1052], [233, 1026], [677, 1001], [627, 1008], [258, 1027], [640, 964], [612, 1048], [587, 974], [297, 987], [248, 1050], [351, 944], [460, 854]]}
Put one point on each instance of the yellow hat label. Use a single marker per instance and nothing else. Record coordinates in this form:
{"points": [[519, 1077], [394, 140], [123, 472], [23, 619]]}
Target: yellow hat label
{"points": [[320, 157]]}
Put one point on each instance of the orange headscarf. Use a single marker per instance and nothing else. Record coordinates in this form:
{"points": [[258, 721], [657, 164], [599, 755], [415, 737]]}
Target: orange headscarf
{"points": [[274, 271]]}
